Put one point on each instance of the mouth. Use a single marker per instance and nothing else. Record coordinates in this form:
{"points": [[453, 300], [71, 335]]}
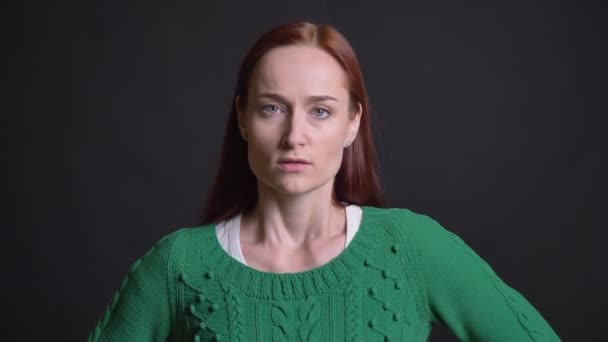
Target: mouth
{"points": [[293, 161], [293, 164]]}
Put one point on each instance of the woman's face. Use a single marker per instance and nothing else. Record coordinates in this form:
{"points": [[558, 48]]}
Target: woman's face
{"points": [[297, 119]]}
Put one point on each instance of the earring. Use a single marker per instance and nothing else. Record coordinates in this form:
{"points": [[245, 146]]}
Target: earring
{"points": [[347, 143]]}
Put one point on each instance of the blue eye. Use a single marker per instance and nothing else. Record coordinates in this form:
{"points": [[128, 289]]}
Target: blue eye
{"points": [[271, 109], [320, 112]]}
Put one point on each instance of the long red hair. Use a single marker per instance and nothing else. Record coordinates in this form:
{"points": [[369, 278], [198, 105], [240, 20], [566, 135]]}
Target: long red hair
{"points": [[235, 187]]}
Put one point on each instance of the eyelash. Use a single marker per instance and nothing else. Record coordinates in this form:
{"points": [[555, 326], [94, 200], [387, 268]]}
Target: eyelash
{"points": [[265, 108]]}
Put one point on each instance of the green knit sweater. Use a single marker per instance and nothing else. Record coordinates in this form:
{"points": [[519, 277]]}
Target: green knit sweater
{"points": [[401, 273]]}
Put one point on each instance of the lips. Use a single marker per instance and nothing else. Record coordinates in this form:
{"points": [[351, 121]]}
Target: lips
{"points": [[293, 161], [293, 164]]}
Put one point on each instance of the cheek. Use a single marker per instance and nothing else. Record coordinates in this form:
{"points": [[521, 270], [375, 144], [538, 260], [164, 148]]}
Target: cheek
{"points": [[258, 151], [264, 135], [332, 149], [335, 153], [260, 147]]}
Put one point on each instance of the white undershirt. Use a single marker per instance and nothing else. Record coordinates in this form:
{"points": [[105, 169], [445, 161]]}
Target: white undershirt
{"points": [[228, 231]]}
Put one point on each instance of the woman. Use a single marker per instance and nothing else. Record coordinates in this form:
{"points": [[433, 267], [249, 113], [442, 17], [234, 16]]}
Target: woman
{"points": [[296, 245]]}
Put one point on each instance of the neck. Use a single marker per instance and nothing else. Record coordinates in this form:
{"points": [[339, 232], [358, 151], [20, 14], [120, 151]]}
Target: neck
{"points": [[293, 220]]}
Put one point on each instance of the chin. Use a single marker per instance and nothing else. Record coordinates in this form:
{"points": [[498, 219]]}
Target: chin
{"points": [[294, 187]]}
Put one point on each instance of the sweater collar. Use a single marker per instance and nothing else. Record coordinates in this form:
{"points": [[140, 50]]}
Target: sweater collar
{"points": [[336, 273]]}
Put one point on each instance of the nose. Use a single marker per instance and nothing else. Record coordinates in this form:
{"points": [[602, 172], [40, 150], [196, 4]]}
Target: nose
{"points": [[294, 131]]}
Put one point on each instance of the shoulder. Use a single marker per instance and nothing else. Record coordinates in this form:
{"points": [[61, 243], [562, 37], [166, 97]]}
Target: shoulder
{"points": [[434, 246], [407, 221], [415, 230], [180, 239], [175, 242]]}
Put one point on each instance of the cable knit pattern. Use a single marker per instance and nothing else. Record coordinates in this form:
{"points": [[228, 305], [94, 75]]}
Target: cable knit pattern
{"points": [[281, 319], [401, 273], [353, 307], [235, 314], [309, 312]]}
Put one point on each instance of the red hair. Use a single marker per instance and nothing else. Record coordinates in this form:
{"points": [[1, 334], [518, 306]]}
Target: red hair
{"points": [[235, 187]]}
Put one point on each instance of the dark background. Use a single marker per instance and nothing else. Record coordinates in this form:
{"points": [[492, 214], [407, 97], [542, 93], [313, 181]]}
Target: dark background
{"points": [[488, 118]]}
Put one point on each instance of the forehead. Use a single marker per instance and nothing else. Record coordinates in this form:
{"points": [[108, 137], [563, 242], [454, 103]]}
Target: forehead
{"points": [[298, 69]]}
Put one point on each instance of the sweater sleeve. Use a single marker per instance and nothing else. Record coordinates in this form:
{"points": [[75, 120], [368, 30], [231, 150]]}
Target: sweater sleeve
{"points": [[140, 310], [466, 295]]}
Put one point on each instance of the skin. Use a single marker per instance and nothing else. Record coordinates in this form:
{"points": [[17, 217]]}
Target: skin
{"points": [[298, 105]]}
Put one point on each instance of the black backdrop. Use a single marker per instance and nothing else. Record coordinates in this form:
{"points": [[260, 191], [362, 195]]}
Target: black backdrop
{"points": [[488, 118]]}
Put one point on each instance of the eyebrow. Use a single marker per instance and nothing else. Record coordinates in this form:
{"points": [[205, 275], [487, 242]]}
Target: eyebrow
{"points": [[309, 99]]}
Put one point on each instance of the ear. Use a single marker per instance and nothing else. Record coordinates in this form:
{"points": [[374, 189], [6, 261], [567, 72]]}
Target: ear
{"points": [[240, 116], [353, 125]]}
